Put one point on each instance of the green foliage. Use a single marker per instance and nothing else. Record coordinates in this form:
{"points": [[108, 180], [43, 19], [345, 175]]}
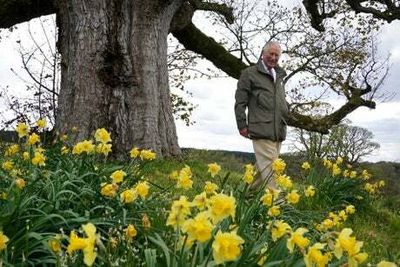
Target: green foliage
{"points": [[66, 193]]}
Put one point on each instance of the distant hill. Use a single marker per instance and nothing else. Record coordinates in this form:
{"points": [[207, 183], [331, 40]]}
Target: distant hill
{"points": [[235, 160]]}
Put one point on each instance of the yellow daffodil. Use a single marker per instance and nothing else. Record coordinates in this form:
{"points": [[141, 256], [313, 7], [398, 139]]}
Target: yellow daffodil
{"points": [[274, 211], [184, 178], [350, 209], [22, 129], [134, 153], [147, 155], [339, 160], [328, 224], [315, 256], [64, 150], [336, 170], [213, 169], [86, 146], [109, 190], [7, 165], [128, 196], [174, 175], [310, 191], [293, 197], [84, 244], [20, 183], [386, 264], [25, 155], [179, 210], [3, 241], [200, 201], [199, 228], [101, 135], [348, 244], [284, 181], [221, 207], [267, 199], [38, 159], [278, 166], [353, 174], [249, 174], [142, 189], [210, 187], [279, 229], [3, 195], [306, 166], [342, 214], [33, 139], [370, 188], [12, 150], [54, 245], [365, 175], [104, 149], [226, 247], [270, 196], [327, 163], [41, 123], [130, 232], [297, 239], [146, 222], [184, 182], [118, 176]]}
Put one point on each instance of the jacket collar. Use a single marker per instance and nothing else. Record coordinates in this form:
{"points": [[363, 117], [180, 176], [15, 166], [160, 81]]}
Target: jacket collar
{"points": [[279, 71]]}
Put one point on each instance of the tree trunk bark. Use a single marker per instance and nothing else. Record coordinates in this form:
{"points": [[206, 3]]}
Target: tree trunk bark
{"points": [[114, 72]]}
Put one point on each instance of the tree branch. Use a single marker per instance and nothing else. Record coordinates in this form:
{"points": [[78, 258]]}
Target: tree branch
{"points": [[322, 125], [389, 14], [390, 10], [221, 9], [16, 11], [193, 39]]}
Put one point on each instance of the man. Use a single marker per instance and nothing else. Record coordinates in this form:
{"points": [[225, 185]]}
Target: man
{"points": [[260, 90]]}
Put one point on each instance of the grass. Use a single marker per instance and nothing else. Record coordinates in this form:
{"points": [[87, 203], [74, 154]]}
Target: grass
{"points": [[66, 193]]}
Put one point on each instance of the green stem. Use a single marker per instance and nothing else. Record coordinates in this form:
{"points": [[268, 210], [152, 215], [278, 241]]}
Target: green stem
{"points": [[195, 255]]}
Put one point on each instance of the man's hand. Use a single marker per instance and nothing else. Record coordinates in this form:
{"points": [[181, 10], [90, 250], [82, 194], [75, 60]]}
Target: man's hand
{"points": [[244, 132]]}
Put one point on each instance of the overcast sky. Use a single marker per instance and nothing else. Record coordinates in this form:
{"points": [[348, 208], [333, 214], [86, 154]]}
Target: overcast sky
{"points": [[215, 126]]}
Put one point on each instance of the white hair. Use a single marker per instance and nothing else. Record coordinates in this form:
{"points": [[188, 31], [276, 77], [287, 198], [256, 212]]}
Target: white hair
{"points": [[271, 43]]}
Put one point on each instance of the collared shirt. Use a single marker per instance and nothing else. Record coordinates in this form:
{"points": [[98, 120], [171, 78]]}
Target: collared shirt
{"points": [[271, 71]]}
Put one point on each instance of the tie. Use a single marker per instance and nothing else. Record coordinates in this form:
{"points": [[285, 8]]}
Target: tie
{"points": [[272, 73]]}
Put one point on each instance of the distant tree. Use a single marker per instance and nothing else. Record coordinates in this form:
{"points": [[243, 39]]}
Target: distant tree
{"points": [[352, 143], [40, 73]]}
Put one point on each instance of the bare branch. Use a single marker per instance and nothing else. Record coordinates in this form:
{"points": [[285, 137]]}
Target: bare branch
{"points": [[221, 9]]}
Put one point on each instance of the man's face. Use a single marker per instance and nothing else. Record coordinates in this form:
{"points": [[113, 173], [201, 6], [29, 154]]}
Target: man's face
{"points": [[271, 56]]}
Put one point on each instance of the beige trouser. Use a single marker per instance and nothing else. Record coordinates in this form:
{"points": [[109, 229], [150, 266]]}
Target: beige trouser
{"points": [[266, 152]]}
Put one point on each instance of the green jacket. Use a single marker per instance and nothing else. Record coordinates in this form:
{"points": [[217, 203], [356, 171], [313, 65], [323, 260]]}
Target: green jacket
{"points": [[267, 109]]}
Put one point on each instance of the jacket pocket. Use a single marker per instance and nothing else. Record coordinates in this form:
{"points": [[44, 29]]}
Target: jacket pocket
{"points": [[260, 116], [261, 126], [265, 100]]}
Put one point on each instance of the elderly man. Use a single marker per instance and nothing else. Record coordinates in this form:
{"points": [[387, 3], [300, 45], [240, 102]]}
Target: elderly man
{"points": [[260, 90]]}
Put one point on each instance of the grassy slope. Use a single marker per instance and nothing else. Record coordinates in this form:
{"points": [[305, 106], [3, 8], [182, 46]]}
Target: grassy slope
{"points": [[377, 225]]}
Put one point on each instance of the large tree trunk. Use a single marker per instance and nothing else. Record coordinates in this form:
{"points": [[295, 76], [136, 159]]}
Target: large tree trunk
{"points": [[114, 72]]}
